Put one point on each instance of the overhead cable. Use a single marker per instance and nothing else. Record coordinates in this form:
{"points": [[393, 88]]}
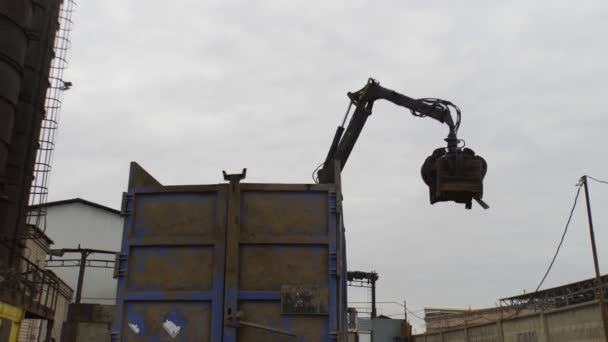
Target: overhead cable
{"points": [[578, 191], [597, 180]]}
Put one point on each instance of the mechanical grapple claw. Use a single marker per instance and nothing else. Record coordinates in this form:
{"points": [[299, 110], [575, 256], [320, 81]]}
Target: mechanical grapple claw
{"points": [[455, 175]]}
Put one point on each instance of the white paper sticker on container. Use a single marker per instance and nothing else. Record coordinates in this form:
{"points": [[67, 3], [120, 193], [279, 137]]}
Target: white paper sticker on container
{"points": [[171, 328], [134, 328]]}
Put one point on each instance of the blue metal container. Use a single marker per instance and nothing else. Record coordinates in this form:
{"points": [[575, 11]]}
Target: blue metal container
{"points": [[231, 262]]}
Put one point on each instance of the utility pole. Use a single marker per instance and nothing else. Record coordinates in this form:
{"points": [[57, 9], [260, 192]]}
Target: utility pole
{"points": [[598, 277], [374, 311], [83, 262], [366, 280]]}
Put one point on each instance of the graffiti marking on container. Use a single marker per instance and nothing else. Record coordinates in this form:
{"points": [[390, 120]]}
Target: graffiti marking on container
{"points": [[171, 328], [134, 328]]}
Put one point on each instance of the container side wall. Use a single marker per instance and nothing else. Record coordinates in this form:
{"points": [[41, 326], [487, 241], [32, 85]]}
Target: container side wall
{"points": [[170, 272], [231, 262]]}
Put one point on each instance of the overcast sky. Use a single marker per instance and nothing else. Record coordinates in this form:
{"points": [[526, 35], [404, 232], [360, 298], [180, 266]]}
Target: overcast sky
{"points": [[189, 88]]}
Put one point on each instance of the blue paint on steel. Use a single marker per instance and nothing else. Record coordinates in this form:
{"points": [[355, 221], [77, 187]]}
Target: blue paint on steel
{"points": [[165, 258], [137, 320], [144, 241], [139, 256], [161, 296], [343, 284], [326, 332], [334, 305], [203, 199], [177, 319], [313, 210], [176, 314], [214, 298], [276, 248], [217, 304], [141, 232], [259, 295], [284, 248], [121, 281], [231, 297], [318, 249]]}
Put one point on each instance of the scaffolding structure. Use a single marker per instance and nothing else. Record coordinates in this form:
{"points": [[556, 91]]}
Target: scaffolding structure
{"points": [[33, 48], [39, 190], [556, 297], [365, 280]]}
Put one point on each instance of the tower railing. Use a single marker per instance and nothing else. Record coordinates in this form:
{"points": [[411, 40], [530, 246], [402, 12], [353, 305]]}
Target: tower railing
{"points": [[44, 157]]}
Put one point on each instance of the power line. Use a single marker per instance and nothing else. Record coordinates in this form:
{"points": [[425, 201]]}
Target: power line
{"points": [[413, 314], [597, 180], [100, 298], [578, 191], [394, 315], [383, 302], [521, 308]]}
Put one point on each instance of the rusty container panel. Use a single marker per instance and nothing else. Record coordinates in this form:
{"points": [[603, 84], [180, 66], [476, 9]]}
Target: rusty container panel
{"points": [[284, 213], [149, 321], [171, 214], [180, 268], [268, 267], [269, 313], [171, 267], [231, 262]]}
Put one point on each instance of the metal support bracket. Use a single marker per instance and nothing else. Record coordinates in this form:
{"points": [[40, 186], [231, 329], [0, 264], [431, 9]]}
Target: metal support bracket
{"points": [[267, 328], [124, 204], [235, 321], [232, 238], [235, 177], [118, 271]]}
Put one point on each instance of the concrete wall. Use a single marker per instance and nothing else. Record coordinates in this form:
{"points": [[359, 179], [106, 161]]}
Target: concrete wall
{"points": [[385, 330], [574, 323], [36, 329], [364, 325], [365, 337], [61, 316], [29, 330], [36, 249], [88, 323], [473, 317], [70, 225], [579, 324], [380, 329]]}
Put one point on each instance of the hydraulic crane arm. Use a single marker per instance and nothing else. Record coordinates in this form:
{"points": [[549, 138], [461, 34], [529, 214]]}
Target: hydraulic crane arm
{"points": [[344, 141], [374, 91]]}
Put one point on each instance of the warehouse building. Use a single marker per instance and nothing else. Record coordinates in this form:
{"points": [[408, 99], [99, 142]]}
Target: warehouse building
{"points": [[80, 224]]}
